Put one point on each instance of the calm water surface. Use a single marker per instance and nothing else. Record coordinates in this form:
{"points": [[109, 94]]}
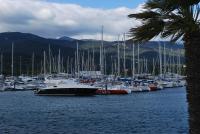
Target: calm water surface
{"points": [[162, 112]]}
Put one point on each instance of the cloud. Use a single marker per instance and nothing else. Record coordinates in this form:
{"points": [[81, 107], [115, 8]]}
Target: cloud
{"points": [[50, 19]]}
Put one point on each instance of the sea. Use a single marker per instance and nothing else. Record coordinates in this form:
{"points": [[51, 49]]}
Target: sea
{"points": [[160, 112]]}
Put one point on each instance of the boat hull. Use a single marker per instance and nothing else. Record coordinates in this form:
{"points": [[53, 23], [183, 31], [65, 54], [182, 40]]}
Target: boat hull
{"points": [[153, 88], [113, 92], [67, 91]]}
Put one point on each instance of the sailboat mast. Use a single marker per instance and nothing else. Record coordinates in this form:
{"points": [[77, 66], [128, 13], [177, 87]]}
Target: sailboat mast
{"points": [[100, 60], [67, 65], [115, 69], [146, 66], [1, 63], [179, 61], [49, 60], [62, 65], [173, 60], [105, 63], [138, 59], [164, 59], [170, 66], [111, 65], [33, 58], [53, 64], [12, 59], [93, 57], [133, 65], [75, 64], [118, 56], [102, 51], [71, 66], [124, 55], [59, 61], [160, 57], [88, 60], [44, 64], [83, 61], [20, 65], [78, 64], [153, 71]]}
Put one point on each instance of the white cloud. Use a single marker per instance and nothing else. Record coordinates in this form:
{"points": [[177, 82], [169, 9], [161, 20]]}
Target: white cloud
{"points": [[50, 19]]}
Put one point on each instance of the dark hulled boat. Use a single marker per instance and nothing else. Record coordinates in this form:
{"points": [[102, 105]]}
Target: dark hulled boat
{"points": [[57, 91], [66, 87]]}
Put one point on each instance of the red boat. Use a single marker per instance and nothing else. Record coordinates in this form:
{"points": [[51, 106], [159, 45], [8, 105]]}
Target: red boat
{"points": [[153, 87], [113, 92]]}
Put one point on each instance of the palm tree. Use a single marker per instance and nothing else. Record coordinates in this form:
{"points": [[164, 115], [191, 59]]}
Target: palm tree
{"points": [[176, 19]]}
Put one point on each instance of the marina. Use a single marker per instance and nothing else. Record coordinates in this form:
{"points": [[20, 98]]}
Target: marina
{"points": [[99, 67], [90, 94], [92, 74], [109, 85]]}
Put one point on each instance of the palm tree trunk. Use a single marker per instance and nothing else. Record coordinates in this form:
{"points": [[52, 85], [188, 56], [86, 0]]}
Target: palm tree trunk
{"points": [[192, 48]]}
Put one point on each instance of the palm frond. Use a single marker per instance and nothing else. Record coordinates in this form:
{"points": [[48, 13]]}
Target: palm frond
{"points": [[168, 18], [145, 15], [147, 31]]}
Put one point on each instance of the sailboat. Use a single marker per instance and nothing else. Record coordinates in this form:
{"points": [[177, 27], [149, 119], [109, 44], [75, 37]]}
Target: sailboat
{"points": [[10, 83], [2, 83]]}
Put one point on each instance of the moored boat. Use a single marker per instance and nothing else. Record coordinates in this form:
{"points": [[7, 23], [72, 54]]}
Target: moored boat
{"points": [[70, 87], [66, 91], [114, 90], [153, 87]]}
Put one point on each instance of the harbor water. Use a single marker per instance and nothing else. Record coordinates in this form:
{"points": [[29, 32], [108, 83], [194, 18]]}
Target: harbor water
{"points": [[161, 112]]}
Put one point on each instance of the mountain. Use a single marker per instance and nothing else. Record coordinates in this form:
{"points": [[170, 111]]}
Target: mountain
{"points": [[25, 44], [67, 38], [148, 50]]}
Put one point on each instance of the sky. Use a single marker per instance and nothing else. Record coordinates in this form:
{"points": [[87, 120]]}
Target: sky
{"points": [[81, 19], [105, 4]]}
